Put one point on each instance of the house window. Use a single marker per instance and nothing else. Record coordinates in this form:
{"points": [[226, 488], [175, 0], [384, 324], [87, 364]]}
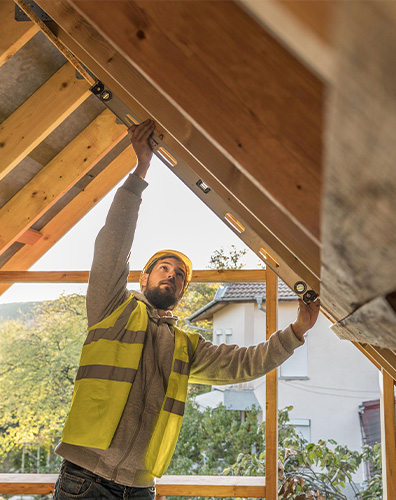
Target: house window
{"points": [[303, 427], [219, 336], [297, 365], [228, 336]]}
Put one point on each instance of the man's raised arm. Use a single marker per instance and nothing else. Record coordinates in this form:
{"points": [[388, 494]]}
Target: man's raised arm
{"points": [[107, 287]]}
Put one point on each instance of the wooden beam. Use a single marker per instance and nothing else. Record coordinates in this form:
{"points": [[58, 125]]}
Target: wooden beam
{"points": [[386, 358], [388, 436], [39, 115], [271, 393], [52, 181], [250, 199], [61, 223], [14, 35], [30, 237], [213, 486], [202, 276]]}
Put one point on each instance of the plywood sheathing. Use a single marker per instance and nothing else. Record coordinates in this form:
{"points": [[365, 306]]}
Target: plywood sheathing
{"points": [[359, 207]]}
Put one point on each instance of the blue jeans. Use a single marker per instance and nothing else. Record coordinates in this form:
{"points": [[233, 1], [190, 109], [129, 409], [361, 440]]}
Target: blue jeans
{"points": [[75, 482]]}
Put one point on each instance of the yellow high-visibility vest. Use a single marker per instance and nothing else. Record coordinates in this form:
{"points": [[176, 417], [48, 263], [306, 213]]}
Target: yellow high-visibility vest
{"points": [[109, 361]]}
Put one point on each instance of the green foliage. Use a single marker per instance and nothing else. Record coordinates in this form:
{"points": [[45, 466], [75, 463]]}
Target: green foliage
{"points": [[231, 260], [38, 362], [314, 471], [212, 439]]}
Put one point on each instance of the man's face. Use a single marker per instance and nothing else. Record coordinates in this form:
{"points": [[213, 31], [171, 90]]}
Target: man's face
{"points": [[163, 287]]}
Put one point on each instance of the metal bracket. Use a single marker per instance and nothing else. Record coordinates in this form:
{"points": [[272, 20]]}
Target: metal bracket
{"points": [[198, 186], [20, 16]]}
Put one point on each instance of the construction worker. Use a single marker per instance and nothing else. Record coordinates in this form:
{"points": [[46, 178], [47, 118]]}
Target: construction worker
{"points": [[131, 386]]}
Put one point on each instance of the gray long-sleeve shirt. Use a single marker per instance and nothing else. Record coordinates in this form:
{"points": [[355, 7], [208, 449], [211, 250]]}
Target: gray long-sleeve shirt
{"points": [[124, 461]]}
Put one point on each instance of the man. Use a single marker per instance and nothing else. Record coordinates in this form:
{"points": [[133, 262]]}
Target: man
{"points": [[131, 385]]}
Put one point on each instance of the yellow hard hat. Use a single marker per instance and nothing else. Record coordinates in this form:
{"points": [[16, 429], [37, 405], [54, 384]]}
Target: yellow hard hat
{"points": [[171, 253]]}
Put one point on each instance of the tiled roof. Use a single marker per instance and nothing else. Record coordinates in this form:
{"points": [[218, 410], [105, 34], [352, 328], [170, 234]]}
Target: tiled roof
{"points": [[249, 291], [239, 292]]}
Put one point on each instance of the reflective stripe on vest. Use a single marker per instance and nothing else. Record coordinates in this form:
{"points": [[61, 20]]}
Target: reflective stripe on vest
{"points": [[164, 438], [109, 361]]}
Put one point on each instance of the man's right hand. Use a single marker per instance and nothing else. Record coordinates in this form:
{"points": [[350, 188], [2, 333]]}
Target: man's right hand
{"points": [[140, 136]]}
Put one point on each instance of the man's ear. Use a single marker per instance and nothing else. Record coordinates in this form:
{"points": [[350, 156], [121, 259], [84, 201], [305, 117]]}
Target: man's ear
{"points": [[143, 280]]}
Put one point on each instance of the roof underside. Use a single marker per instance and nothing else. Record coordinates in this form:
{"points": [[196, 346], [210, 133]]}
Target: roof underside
{"points": [[286, 110]]}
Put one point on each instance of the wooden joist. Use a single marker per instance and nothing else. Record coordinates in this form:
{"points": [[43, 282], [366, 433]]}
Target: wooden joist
{"points": [[39, 115], [14, 35], [71, 213], [181, 133], [211, 486], [202, 276], [56, 178]]}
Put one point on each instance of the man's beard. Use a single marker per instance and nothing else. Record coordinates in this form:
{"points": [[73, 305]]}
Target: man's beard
{"points": [[160, 298]]}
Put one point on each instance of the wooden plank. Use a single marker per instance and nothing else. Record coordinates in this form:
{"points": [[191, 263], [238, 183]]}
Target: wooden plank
{"points": [[49, 185], [200, 69], [30, 237], [217, 486], [271, 393], [14, 35], [201, 276], [72, 213], [265, 215], [46, 109], [304, 27], [388, 436]]}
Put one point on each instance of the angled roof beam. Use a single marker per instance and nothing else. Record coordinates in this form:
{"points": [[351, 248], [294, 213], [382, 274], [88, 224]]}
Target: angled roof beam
{"points": [[264, 215], [71, 213], [39, 115], [14, 35], [58, 176]]}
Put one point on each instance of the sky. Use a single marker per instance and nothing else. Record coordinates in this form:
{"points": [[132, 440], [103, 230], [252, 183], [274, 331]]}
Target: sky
{"points": [[171, 217]]}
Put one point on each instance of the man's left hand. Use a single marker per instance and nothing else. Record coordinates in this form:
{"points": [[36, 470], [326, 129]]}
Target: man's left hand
{"points": [[306, 317]]}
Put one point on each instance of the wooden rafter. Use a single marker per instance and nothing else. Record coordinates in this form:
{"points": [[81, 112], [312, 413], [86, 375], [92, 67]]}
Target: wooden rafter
{"points": [[51, 183], [14, 35], [203, 276], [46, 109], [71, 213], [187, 139]]}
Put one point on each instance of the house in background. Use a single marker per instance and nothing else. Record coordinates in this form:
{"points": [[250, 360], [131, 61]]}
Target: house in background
{"points": [[326, 380]]}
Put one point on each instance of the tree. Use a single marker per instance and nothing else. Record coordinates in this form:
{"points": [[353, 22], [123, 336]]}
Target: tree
{"points": [[210, 440], [38, 362], [310, 471]]}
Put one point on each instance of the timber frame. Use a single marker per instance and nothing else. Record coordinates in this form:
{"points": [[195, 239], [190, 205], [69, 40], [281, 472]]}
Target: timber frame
{"points": [[267, 103]]}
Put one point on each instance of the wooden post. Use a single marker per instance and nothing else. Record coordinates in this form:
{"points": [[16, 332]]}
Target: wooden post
{"points": [[388, 436], [271, 397]]}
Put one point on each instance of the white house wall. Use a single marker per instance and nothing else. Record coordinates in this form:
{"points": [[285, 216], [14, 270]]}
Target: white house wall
{"points": [[339, 378]]}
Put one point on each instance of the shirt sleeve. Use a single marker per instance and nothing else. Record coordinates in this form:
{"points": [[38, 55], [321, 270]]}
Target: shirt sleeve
{"points": [[108, 278], [229, 364]]}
